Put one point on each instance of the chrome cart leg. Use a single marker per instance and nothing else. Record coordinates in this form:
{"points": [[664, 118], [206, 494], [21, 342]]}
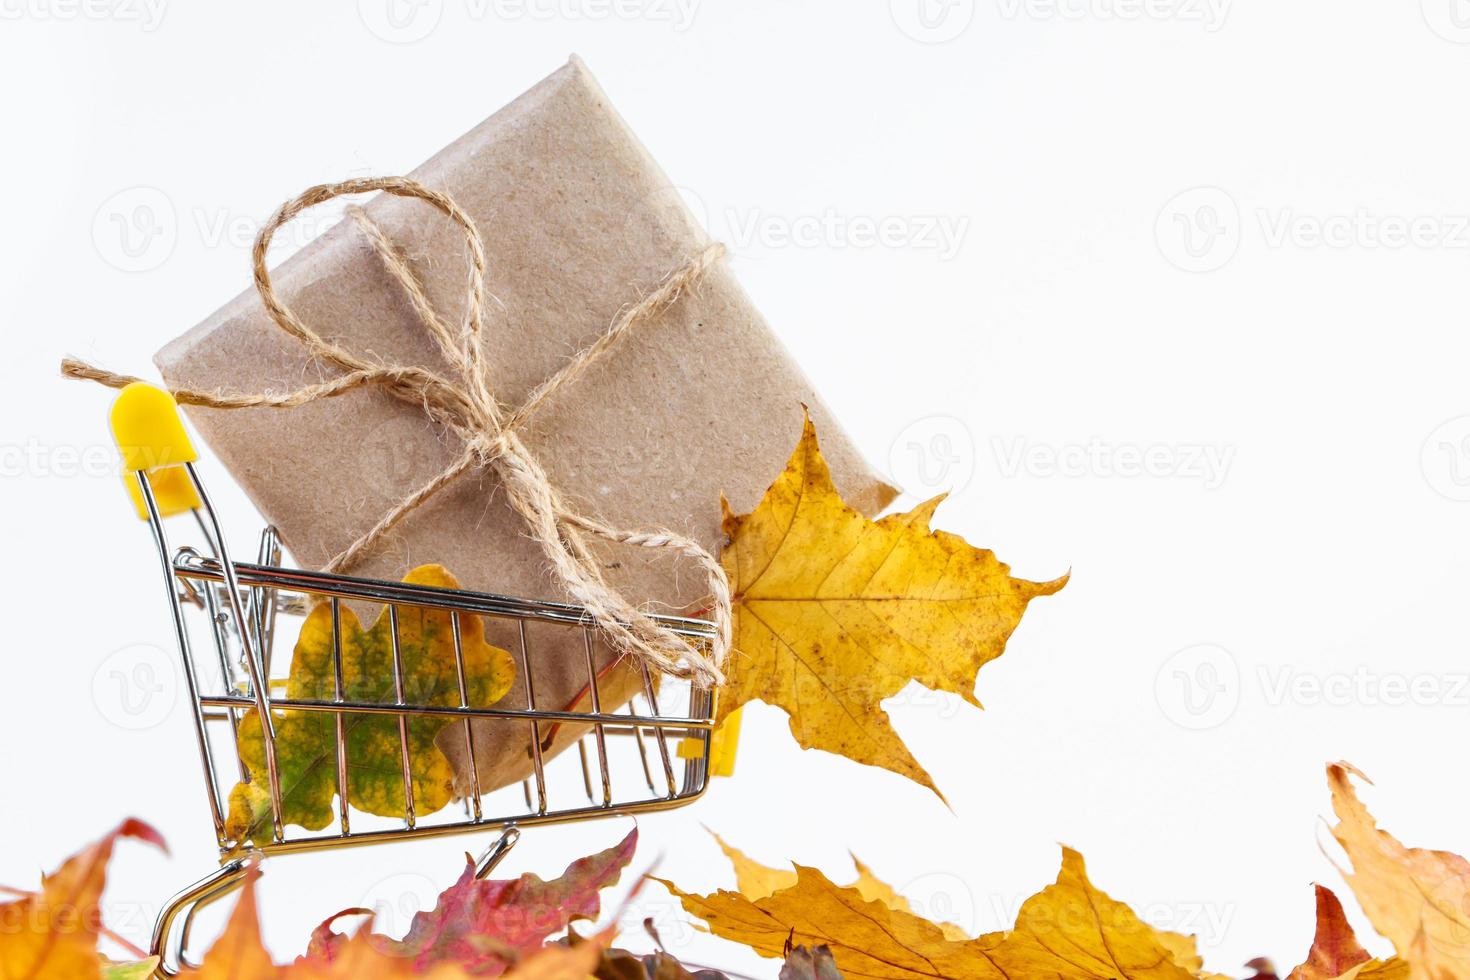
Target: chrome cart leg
{"points": [[169, 943], [496, 852]]}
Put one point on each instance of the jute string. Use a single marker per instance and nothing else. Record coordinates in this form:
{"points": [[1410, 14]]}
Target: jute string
{"points": [[465, 403]]}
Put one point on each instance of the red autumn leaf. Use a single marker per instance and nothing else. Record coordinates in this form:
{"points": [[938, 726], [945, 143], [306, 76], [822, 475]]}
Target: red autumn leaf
{"points": [[1335, 950], [1264, 969], [488, 926]]}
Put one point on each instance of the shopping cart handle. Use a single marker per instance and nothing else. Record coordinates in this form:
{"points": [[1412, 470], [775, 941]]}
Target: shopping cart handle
{"points": [[148, 430], [151, 437]]}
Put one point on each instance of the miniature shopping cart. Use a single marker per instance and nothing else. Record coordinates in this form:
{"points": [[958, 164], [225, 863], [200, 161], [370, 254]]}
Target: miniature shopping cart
{"points": [[234, 610]]}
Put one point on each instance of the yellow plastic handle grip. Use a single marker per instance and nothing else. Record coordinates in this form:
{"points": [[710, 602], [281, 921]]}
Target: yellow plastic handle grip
{"points": [[173, 492], [151, 437], [147, 428]]}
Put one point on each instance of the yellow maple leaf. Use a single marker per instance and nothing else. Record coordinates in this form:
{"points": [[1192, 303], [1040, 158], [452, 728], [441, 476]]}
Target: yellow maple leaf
{"points": [[1073, 929], [1068, 931], [756, 881], [1418, 899], [868, 940], [1389, 969], [306, 748], [753, 879], [833, 612]]}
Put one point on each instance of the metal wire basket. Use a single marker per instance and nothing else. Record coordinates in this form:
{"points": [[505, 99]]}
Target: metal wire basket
{"points": [[234, 609]]}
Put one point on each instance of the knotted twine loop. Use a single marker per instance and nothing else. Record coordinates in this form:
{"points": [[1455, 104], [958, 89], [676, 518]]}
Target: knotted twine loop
{"points": [[466, 404]]}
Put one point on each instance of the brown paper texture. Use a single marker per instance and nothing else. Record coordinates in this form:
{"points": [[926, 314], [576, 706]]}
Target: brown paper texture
{"points": [[577, 220]]}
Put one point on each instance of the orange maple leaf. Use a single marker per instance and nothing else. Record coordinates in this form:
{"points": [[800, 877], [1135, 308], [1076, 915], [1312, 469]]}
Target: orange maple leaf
{"points": [[52, 935]]}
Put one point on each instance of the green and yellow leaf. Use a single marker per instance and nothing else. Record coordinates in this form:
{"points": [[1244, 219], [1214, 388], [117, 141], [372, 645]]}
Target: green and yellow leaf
{"points": [[306, 750]]}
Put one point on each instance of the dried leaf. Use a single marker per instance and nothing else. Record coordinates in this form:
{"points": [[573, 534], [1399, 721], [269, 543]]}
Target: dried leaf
{"points": [[1335, 950], [755, 881], [1183, 950], [810, 964], [238, 954], [619, 964], [833, 612], [1072, 929], [52, 935], [1418, 899], [487, 926], [353, 957], [868, 940], [874, 890], [557, 962], [1068, 930], [306, 741], [1264, 969]]}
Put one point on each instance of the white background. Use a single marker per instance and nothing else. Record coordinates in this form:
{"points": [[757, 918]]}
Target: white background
{"points": [[1073, 313]]}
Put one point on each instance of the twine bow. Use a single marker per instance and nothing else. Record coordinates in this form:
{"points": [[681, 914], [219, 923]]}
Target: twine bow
{"points": [[465, 402]]}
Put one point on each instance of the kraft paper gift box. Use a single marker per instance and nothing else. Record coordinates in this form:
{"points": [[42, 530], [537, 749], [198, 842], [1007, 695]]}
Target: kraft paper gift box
{"points": [[578, 221]]}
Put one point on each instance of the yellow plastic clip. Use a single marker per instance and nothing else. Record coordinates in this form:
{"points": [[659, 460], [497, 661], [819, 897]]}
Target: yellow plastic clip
{"points": [[151, 437], [724, 743]]}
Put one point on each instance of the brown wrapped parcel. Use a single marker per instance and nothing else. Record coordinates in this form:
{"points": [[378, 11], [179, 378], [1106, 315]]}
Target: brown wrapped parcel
{"points": [[578, 221]]}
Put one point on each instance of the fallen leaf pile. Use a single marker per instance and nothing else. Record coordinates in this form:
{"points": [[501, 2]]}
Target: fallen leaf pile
{"points": [[833, 613], [238, 954], [1070, 930], [306, 752], [477, 929]]}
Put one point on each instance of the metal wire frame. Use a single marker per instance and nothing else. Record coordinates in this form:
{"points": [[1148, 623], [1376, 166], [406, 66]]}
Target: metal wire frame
{"points": [[239, 603]]}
